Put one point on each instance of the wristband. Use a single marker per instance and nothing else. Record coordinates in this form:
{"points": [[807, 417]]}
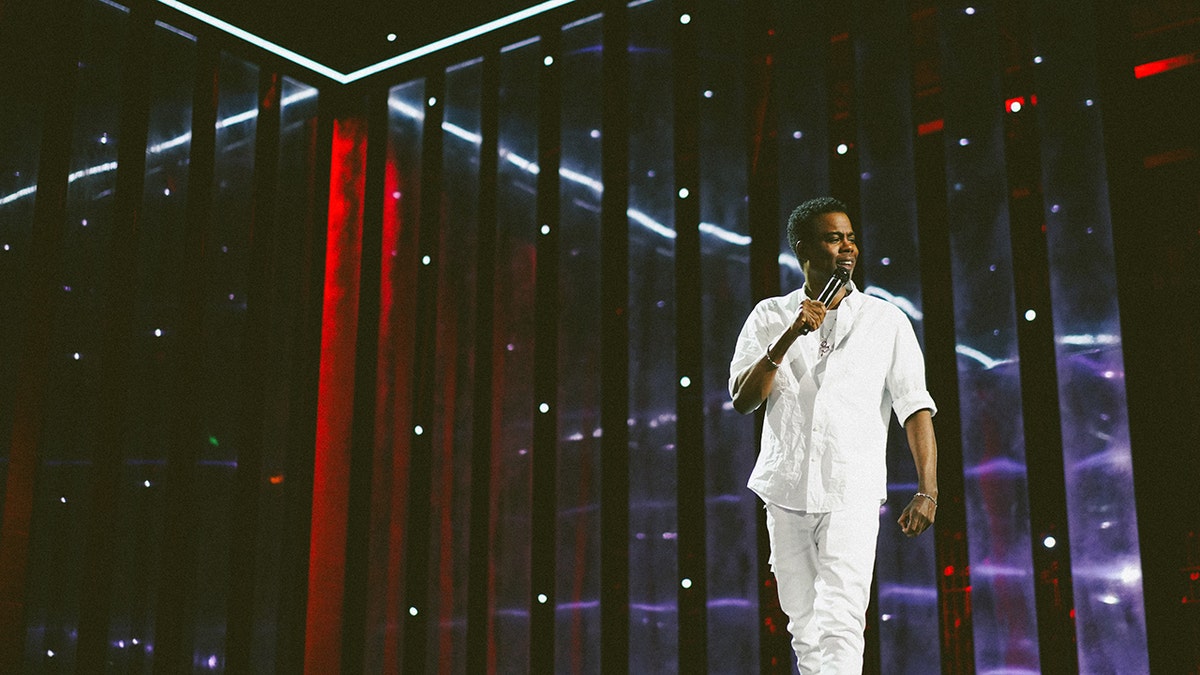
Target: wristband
{"points": [[929, 497]]}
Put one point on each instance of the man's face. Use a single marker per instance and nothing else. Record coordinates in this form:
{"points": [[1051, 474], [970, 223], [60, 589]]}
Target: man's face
{"points": [[834, 245]]}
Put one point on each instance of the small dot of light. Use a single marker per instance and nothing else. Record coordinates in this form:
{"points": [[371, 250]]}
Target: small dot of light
{"points": [[1089, 230], [121, 644], [425, 260], [595, 133], [1049, 542], [969, 10], [432, 101], [212, 661], [67, 289], [964, 142], [549, 61], [1108, 374], [1089, 103], [708, 93], [683, 193], [391, 37], [685, 381], [885, 262], [231, 296], [1110, 599], [158, 332], [545, 229], [76, 356], [523, 451], [797, 135], [83, 222], [842, 148], [544, 408], [418, 430], [996, 332], [224, 249], [685, 19], [991, 268], [542, 598], [412, 611], [685, 582], [1037, 59], [1030, 315], [1106, 524], [511, 346], [885, 617], [7, 247], [958, 187], [145, 483], [134, 641], [62, 499], [1054, 208], [948, 571], [1015, 106], [103, 139], [50, 653], [396, 194], [167, 191]]}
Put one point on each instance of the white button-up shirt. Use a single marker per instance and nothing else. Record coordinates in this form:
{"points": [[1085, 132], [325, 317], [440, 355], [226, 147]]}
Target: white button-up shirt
{"points": [[824, 438]]}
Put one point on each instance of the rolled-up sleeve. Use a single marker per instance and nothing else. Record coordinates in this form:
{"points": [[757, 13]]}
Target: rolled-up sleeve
{"points": [[906, 377], [751, 344]]}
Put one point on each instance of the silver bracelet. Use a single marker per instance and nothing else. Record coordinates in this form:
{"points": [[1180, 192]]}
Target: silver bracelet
{"points": [[929, 497], [768, 355]]}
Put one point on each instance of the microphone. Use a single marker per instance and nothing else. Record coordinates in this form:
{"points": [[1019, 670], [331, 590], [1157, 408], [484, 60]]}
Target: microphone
{"points": [[840, 277]]}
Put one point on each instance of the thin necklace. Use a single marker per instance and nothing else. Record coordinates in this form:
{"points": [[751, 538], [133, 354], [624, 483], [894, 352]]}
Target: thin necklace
{"points": [[827, 335]]}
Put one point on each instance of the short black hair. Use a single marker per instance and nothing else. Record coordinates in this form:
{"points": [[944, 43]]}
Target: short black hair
{"points": [[800, 223]]}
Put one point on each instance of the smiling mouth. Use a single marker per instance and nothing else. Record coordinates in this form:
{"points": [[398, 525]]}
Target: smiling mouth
{"points": [[845, 262]]}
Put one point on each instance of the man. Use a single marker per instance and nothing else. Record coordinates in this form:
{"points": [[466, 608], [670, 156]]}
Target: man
{"points": [[831, 376]]}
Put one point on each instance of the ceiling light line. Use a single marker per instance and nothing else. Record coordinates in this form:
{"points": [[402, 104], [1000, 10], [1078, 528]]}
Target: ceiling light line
{"points": [[439, 45], [255, 40], [344, 78]]}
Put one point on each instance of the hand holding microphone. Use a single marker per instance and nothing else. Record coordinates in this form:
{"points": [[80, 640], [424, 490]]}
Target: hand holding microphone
{"points": [[840, 277]]}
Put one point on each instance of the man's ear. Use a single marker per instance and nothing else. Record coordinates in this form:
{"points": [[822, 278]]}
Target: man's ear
{"points": [[799, 252]]}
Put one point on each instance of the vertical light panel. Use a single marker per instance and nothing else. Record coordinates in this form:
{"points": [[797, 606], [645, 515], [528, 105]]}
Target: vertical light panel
{"points": [[69, 422], [154, 339], [394, 381], [996, 496], [653, 589], [226, 259], [1105, 556], [905, 568], [577, 628], [455, 371], [335, 402], [513, 362], [296, 215], [732, 510], [803, 121]]}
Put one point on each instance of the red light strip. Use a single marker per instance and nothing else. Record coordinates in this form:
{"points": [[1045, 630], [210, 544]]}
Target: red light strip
{"points": [[1163, 65]]}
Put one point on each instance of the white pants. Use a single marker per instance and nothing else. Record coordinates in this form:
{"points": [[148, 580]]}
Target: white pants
{"points": [[823, 563]]}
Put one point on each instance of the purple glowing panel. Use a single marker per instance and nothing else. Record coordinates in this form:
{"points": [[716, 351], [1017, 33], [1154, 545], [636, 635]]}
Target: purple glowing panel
{"points": [[513, 361], [732, 510], [1105, 557], [803, 120], [577, 622], [653, 556], [995, 485], [905, 568]]}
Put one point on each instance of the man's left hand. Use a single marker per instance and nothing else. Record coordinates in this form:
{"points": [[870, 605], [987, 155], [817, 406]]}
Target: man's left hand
{"points": [[917, 516]]}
